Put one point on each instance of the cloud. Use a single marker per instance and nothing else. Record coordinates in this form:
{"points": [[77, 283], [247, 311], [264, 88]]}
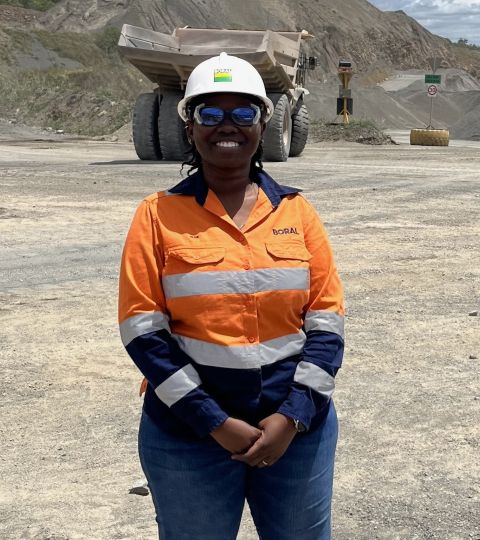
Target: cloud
{"points": [[448, 18]]}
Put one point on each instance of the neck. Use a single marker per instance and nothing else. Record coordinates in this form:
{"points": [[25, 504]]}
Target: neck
{"points": [[223, 182]]}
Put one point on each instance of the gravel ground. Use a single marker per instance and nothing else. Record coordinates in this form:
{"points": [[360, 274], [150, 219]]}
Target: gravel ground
{"points": [[404, 223]]}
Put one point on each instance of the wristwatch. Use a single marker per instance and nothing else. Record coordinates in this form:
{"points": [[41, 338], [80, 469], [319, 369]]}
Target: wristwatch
{"points": [[300, 428]]}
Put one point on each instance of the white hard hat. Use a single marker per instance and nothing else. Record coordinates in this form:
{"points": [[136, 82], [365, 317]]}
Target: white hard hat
{"points": [[225, 73]]}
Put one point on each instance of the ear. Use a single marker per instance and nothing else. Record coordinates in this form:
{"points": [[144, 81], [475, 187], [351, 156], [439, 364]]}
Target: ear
{"points": [[189, 130], [264, 127]]}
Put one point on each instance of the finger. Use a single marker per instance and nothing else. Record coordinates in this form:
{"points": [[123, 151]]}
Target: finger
{"points": [[242, 456], [257, 462], [246, 458], [263, 463], [252, 459], [252, 452]]}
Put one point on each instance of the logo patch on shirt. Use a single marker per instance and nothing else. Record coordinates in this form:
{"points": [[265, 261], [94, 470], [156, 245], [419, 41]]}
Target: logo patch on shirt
{"points": [[287, 230]]}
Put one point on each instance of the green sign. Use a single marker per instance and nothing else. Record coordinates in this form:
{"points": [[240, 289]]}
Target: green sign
{"points": [[430, 78]]}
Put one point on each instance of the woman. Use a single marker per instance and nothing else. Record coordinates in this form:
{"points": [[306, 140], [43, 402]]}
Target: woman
{"points": [[231, 306]]}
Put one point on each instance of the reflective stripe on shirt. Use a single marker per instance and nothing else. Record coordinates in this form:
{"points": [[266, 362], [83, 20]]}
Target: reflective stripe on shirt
{"points": [[315, 378], [178, 385], [324, 321], [235, 282], [141, 324], [241, 356]]}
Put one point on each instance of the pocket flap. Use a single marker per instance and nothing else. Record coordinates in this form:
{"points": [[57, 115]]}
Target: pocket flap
{"points": [[200, 255], [288, 250]]}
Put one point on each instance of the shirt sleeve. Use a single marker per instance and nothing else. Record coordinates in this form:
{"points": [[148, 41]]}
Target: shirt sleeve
{"points": [[145, 329], [314, 379]]}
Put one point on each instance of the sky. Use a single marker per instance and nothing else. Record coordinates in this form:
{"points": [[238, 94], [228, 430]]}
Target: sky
{"points": [[452, 19]]}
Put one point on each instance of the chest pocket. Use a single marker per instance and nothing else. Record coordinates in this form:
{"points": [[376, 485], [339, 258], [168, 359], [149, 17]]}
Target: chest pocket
{"points": [[196, 255], [191, 271], [288, 250]]}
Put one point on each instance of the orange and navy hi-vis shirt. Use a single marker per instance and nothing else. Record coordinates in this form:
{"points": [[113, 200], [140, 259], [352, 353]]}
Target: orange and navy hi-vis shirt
{"points": [[225, 321]]}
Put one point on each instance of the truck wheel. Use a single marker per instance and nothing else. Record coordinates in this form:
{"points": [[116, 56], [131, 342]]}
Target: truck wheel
{"points": [[145, 127], [171, 128], [429, 137], [300, 125], [276, 141]]}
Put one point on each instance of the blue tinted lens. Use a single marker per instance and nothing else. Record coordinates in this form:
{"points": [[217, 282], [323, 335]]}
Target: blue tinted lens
{"points": [[211, 116], [243, 116]]}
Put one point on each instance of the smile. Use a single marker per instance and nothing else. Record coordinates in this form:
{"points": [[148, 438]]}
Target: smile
{"points": [[227, 144]]}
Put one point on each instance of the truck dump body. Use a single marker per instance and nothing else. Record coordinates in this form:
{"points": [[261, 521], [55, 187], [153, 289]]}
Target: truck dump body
{"points": [[168, 59]]}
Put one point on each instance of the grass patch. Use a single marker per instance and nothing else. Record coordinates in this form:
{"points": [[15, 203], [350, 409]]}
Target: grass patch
{"points": [[77, 101], [95, 98], [107, 39], [79, 47], [13, 41], [39, 5], [468, 58]]}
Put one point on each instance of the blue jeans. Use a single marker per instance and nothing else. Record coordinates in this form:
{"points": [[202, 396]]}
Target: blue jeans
{"points": [[199, 492]]}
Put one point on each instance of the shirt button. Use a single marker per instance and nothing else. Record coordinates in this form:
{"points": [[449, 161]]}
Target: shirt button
{"points": [[251, 339]]}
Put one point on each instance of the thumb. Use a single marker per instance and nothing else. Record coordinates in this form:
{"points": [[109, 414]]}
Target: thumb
{"points": [[263, 423]]}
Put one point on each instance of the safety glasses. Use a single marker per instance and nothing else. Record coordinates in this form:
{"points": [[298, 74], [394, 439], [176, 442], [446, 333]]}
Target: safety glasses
{"points": [[209, 116]]}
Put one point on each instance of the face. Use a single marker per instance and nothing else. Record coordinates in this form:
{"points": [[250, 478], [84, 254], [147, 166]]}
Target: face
{"points": [[227, 145]]}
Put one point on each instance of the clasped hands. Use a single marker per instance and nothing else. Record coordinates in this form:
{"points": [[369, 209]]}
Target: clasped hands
{"points": [[257, 447]]}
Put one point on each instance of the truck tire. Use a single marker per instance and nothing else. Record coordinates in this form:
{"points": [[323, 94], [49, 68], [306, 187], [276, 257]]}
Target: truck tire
{"points": [[171, 128], [300, 125], [429, 137], [145, 127], [277, 138]]}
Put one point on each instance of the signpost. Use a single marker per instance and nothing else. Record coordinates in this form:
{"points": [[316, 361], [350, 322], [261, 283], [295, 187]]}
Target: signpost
{"points": [[431, 136], [432, 80]]}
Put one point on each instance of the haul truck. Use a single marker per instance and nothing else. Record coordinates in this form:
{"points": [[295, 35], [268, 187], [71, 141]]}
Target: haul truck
{"points": [[167, 60]]}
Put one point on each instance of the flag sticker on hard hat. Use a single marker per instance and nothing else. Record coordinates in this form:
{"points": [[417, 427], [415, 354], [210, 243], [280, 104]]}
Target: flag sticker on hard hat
{"points": [[222, 75]]}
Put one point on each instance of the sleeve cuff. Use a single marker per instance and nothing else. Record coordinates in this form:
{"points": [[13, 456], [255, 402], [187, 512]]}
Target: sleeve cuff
{"points": [[204, 418], [299, 406]]}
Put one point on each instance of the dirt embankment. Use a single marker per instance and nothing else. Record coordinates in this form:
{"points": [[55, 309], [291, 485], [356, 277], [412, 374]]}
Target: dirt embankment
{"points": [[362, 132], [75, 82], [60, 69]]}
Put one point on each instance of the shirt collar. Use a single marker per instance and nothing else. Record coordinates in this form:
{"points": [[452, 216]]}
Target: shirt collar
{"points": [[274, 191], [196, 186], [192, 185]]}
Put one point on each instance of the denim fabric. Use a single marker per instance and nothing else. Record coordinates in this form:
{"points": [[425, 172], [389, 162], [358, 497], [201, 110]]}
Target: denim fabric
{"points": [[199, 492]]}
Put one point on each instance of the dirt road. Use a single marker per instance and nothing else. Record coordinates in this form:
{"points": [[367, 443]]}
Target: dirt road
{"points": [[404, 222]]}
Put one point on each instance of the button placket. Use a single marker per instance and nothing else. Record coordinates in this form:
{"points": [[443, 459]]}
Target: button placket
{"points": [[250, 306]]}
